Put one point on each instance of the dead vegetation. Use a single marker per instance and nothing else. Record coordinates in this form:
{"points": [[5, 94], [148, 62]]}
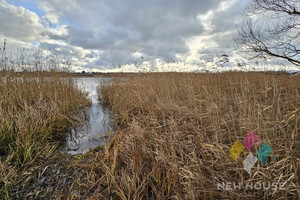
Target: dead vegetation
{"points": [[39, 103], [36, 112], [176, 131]]}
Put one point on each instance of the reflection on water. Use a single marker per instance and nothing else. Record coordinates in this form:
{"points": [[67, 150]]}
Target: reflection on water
{"points": [[90, 134]]}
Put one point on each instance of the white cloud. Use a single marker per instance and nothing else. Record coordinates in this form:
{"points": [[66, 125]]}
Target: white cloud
{"points": [[98, 34], [50, 14], [137, 55], [19, 23]]}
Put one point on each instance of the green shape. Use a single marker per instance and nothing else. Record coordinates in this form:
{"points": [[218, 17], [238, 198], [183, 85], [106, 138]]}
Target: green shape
{"points": [[236, 149], [263, 152]]}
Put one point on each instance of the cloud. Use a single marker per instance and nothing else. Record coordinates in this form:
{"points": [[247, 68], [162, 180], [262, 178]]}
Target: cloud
{"points": [[100, 33], [50, 14], [158, 29], [19, 23]]}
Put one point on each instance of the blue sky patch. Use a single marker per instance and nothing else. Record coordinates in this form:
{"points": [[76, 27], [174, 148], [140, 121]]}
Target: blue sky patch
{"points": [[31, 5]]}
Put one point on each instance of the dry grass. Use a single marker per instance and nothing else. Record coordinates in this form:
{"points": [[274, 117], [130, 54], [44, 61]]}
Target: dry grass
{"points": [[36, 111], [39, 103], [176, 131]]}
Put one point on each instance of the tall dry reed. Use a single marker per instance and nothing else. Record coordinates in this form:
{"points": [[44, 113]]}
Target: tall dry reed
{"points": [[36, 112], [176, 131]]}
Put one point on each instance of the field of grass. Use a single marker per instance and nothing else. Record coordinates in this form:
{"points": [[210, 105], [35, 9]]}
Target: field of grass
{"points": [[36, 112], [173, 139], [176, 130]]}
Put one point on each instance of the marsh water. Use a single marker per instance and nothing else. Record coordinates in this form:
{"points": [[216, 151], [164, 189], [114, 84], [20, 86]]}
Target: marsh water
{"points": [[92, 132]]}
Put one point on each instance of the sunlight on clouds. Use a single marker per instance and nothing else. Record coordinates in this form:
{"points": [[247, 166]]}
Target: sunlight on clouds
{"points": [[50, 13], [174, 35], [19, 23], [137, 55], [224, 5]]}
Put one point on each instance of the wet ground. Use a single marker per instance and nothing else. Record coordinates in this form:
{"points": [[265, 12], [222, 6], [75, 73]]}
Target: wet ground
{"points": [[92, 133], [55, 178], [58, 177]]}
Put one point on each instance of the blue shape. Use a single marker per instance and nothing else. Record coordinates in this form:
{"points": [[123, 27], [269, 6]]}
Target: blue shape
{"points": [[30, 5], [272, 157], [263, 152]]}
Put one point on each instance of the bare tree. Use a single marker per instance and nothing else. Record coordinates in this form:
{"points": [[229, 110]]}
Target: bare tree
{"points": [[272, 29]]}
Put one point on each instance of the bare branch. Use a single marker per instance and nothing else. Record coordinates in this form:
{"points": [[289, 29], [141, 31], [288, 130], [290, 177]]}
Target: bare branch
{"points": [[274, 33]]}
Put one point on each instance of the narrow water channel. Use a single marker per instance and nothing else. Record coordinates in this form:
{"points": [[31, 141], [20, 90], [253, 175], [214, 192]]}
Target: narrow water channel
{"points": [[90, 134]]}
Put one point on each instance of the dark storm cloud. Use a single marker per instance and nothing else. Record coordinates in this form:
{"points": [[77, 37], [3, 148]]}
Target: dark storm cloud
{"points": [[155, 28], [99, 33], [227, 20], [223, 24]]}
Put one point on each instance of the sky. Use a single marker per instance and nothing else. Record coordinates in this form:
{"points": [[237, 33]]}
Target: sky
{"points": [[110, 35]]}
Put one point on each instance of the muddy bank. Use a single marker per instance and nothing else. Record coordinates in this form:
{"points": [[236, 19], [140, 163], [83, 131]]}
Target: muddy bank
{"points": [[53, 179]]}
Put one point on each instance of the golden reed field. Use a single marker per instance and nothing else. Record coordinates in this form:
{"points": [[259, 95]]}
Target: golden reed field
{"points": [[173, 140], [176, 130]]}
